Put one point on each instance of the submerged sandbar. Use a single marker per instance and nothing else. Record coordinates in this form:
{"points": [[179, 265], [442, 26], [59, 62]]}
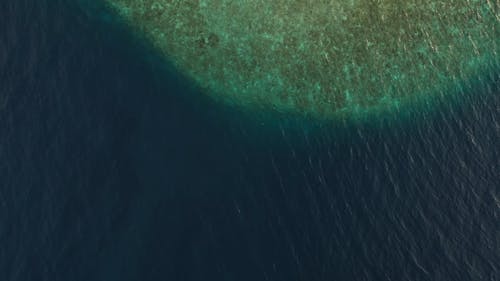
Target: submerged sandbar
{"points": [[321, 58]]}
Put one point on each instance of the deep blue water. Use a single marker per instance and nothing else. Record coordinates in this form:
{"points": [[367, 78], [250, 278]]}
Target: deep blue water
{"points": [[112, 169]]}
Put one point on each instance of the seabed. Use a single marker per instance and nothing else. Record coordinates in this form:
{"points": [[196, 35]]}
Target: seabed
{"points": [[322, 60]]}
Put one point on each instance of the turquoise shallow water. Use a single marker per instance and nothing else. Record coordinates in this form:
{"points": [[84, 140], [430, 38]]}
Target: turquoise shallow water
{"points": [[112, 168], [328, 61]]}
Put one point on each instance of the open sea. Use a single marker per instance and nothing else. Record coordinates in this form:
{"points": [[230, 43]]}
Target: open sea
{"points": [[114, 167]]}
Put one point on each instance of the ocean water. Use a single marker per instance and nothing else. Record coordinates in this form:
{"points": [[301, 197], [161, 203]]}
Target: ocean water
{"points": [[114, 167]]}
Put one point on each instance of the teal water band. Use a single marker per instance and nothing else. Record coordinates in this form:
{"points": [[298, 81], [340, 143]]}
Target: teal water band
{"points": [[321, 58]]}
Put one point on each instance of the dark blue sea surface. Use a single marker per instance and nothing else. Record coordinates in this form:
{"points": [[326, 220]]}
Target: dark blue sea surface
{"points": [[111, 169]]}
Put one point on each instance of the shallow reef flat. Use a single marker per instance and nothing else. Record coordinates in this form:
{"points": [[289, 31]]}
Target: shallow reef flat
{"points": [[321, 59]]}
